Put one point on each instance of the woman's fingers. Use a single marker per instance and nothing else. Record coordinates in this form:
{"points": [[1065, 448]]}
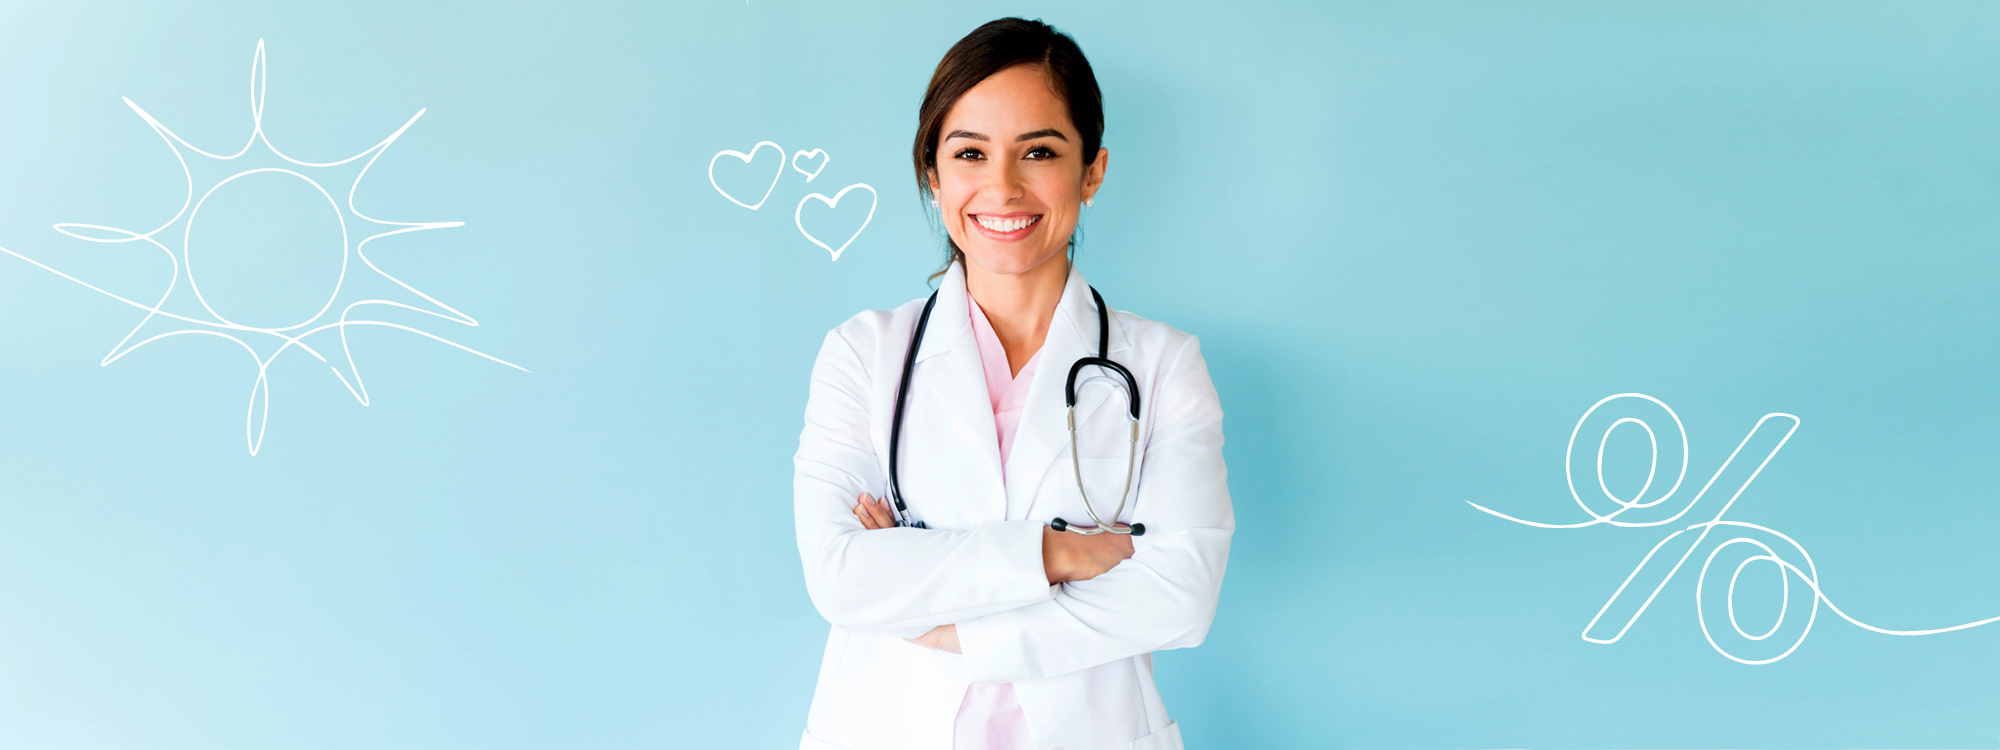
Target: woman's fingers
{"points": [[874, 513], [880, 509], [863, 512], [942, 638], [947, 640]]}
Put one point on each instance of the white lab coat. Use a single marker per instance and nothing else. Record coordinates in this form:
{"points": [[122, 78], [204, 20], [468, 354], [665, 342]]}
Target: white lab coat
{"points": [[1079, 654]]}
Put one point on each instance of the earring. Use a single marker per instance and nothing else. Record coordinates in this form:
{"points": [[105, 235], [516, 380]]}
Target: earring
{"points": [[1086, 203], [934, 202]]}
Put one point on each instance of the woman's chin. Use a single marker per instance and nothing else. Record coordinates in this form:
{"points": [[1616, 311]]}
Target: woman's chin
{"points": [[1011, 260]]}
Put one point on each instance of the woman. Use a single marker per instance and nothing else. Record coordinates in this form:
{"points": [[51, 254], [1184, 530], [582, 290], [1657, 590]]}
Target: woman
{"points": [[990, 626]]}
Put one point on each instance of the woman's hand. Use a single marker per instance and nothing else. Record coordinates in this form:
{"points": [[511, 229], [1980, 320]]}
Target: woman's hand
{"points": [[1069, 556], [1066, 556], [875, 514], [943, 638]]}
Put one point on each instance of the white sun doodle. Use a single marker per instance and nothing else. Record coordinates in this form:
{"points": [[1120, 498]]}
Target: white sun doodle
{"points": [[275, 340]]}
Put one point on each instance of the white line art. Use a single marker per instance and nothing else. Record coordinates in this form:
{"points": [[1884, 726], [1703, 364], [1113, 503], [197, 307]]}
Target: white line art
{"points": [[258, 416], [824, 160], [745, 158], [873, 199], [1803, 567]]}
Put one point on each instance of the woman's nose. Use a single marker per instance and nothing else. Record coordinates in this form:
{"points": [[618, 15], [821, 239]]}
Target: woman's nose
{"points": [[1004, 183]]}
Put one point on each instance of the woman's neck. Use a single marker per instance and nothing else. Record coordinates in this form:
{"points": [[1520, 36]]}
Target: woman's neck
{"points": [[1019, 306]]}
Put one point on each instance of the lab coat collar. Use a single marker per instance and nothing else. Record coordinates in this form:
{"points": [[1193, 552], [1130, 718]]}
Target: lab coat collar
{"points": [[949, 368], [950, 326]]}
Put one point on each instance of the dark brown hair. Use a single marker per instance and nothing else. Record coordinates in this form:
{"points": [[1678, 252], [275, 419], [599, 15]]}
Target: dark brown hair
{"points": [[993, 47]]}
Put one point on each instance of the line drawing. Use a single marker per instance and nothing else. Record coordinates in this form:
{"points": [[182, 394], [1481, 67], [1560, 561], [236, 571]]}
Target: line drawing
{"points": [[824, 160], [258, 416], [797, 220], [873, 200], [746, 158], [1806, 572]]}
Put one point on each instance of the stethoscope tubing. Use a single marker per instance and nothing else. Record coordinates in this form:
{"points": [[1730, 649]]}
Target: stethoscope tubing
{"points": [[896, 422], [1102, 360]]}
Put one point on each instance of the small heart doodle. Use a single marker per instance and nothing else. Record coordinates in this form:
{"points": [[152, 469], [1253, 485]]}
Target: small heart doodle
{"points": [[833, 202], [824, 159]]}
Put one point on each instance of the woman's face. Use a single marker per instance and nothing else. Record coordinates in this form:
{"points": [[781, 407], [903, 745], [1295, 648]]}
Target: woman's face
{"points": [[1011, 175]]}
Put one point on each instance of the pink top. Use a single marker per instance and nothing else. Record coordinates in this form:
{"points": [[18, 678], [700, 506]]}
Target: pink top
{"points": [[991, 718]]}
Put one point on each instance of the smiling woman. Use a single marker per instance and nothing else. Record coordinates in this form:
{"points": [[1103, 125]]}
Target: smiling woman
{"points": [[1017, 74], [966, 611]]}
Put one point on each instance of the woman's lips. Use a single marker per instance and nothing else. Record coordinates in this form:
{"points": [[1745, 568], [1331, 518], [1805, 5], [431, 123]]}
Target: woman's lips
{"points": [[1006, 227]]}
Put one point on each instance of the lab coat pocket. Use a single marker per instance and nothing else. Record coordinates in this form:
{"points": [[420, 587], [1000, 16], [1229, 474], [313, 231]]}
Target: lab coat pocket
{"points": [[1168, 738]]}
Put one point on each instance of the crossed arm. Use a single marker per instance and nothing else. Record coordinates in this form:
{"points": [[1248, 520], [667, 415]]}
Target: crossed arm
{"points": [[1065, 557], [990, 591]]}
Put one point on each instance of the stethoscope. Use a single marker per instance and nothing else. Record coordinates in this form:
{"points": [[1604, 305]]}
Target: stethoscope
{"points": [[1102, 359]]}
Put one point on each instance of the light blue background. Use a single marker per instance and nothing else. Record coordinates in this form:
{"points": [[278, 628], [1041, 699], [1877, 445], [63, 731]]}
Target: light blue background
{"points": [[1417, 240]]}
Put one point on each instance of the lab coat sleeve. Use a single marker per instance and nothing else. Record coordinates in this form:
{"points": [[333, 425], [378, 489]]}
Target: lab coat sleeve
{"points": [[1165, 595], [896, 582]]}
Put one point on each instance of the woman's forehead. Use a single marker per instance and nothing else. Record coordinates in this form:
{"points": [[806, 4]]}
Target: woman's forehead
{"points": [[1009, 103]]}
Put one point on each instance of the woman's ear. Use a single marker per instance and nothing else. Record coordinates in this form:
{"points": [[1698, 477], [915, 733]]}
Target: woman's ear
{"points": [[931, 177], [1093, 175]]}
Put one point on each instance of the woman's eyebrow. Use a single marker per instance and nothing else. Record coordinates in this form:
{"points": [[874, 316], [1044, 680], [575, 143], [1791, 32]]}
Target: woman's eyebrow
{"points": [[964, 134], [1043, 133]]}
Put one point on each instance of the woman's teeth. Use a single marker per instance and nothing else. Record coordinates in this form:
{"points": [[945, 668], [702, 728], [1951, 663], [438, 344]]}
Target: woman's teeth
{"points": [[1004, 226]]}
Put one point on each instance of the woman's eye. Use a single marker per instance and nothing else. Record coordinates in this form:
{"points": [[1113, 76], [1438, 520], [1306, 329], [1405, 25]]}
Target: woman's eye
{"points": [[972, 154], [1041, 152]]}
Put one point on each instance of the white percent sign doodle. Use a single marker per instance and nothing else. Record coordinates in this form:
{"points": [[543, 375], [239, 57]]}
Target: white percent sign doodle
{"points": [[1649, 565]]}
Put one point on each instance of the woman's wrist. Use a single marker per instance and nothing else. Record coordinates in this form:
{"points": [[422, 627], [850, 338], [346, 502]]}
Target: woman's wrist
{"points": [[1055, 555]]}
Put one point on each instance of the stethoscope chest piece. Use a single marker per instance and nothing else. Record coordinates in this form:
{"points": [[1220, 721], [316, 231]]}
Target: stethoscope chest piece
{"points": [[1137, 529]]}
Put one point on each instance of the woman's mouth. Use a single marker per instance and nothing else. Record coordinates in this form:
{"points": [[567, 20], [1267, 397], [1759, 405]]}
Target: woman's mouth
{"points": [[1006, 227]]}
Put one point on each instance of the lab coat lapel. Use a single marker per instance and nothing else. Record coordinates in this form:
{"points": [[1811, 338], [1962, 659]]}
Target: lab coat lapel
{"points": [[1043, 434], [955, 378]]}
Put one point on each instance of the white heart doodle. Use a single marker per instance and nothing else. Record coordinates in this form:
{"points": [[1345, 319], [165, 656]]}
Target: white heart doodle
{"points": [[824, 159], [746, 160], [873, 199]]}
